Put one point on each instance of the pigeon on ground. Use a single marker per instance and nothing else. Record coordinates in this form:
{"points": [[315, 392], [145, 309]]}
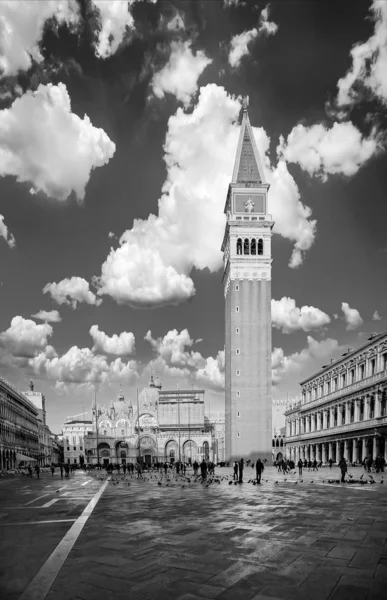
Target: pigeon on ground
{"points": [[230, 483]]}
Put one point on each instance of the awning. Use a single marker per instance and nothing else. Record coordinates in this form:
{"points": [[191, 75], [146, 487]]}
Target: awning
{"points": [[20, 457]]}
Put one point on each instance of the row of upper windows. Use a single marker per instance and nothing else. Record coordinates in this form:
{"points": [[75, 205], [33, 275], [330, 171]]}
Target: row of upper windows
{"points": [[249, 246], [343, 381]]}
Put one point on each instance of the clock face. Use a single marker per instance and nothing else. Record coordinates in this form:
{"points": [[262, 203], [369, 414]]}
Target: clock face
{"points": [[249, 203]]}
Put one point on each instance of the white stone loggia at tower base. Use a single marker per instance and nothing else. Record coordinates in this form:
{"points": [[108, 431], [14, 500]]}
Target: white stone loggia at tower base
{"points": [[247, 290]]}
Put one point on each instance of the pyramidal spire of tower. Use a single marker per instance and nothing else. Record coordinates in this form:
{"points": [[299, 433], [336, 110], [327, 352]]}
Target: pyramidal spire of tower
{"points": [[248, 166]]}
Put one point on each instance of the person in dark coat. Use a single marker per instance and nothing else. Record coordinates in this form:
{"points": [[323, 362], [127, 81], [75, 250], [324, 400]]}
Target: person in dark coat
{"points": [[235, 476], [61, 470], [203, 469], [343, 469], [259, 468], [300, 465], [37, 471], [52, 470], [241, 467], [330, 463]]}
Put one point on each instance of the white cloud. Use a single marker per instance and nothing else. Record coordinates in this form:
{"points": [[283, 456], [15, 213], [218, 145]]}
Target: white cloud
{"points": [[321, 151], [21, 30], [119, 345], [376, 316], [239, 45], [24, 337], [234, 2], [287, 317], [266, 26], [212, 374], [172, 348], [152, 264], [369, 62], [82, 366], [352, 317], [5, 233], [304, 363], [180, 75], [43, 142], [51, 316], [115, 19], [71, 291]]}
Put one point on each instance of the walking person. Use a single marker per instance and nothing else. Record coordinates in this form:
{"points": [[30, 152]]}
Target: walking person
{"points": [[259, 468], [203, 469], [343, 468], [52, 470], [29, 471], [139, 471], [235, 476], [241, 467], [37, 471], [67, 469], [61, 470], [330, 463], [300, 465]]}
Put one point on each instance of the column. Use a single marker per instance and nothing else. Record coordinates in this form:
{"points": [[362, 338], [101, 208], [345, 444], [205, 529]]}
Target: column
{"points": [[385, 448], [339, 414], [367, 406], [312, 422], [346, 452], [347, 412], [318, 422], [355, 451], [364, 451], [330, 450], [375, 447], [378, 403], [325, 418], [302, 425], [357, 409], [307, 424], [338, 457], [297, 426], [287, 428]]}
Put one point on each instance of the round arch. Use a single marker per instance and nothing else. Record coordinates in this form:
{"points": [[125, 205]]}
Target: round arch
{"points": [[171, 450], [190, 450]]}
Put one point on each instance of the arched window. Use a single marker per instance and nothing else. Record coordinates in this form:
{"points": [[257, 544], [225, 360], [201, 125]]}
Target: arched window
{"points": [[239, 246], [260, 247], [104, 432], [277, 443], [253, 247], [246, 246], [282, 443]]}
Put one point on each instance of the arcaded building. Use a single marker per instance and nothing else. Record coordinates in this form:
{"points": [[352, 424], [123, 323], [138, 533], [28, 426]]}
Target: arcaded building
{"points": [[247, 291], [161, 426], [19, 436], [343, 410]]}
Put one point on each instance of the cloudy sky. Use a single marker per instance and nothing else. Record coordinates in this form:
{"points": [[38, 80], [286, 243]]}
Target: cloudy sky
{"points": [[118, 130]]}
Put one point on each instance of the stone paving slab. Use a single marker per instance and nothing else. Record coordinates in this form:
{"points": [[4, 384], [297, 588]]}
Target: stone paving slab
{"points": [[292, 540]]}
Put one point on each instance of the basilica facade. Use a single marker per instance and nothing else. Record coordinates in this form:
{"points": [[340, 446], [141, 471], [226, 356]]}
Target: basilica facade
{"points": [[156, 426]]}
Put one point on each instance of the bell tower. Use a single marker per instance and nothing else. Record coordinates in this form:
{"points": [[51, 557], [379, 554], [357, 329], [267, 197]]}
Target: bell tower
{"points": [[247, 290]]}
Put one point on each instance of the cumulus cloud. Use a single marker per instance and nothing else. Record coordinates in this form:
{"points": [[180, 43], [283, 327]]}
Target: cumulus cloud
{"points": [[172, 348], [303, 363], [44, 143], [82, 366], [352, 317], [152, 264], [342, 149], [71, 291], [212, 374], [21, 30], [240, 44], [115, 19], [376, 316], [6, 234], [24, 337], [51, 316], [118, 345], [287, 317], [180, 75], [369, 62]]}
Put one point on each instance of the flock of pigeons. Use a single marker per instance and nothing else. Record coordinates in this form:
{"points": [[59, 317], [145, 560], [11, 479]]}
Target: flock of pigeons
{"points": [[173, 480]]}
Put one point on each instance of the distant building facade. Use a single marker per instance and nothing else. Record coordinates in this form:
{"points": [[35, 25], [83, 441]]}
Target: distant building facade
{"points": [[74, 434], [247, 290], [45, 445], [343, 410], [164, 426], [18, 426]]}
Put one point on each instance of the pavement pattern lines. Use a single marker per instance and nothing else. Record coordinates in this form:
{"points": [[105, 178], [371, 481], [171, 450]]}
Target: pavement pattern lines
{"points": [[278, 540]]}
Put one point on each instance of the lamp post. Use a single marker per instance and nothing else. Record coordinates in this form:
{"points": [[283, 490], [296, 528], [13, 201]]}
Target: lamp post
{"points": [[138, 429], [96, 425], [178, 420]]}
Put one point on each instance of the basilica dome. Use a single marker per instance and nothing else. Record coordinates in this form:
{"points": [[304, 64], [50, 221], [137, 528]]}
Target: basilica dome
{"points": [[122, 406]]}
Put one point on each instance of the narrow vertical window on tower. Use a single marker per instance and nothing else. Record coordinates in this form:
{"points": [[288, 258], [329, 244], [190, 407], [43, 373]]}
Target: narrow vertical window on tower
{"points": [[246, 246], [238, 351], [237, 309], [253, 246], [260, 246], [239, 246], [237, 288], [238, 372], [238, 434], [238, 394], [238, 414], [237, 331]]}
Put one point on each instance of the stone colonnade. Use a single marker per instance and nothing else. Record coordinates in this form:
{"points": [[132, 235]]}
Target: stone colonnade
{"points": [[353, 449]]}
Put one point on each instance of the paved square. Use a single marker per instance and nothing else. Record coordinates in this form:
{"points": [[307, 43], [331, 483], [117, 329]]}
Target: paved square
{"points": [[293, 537]]}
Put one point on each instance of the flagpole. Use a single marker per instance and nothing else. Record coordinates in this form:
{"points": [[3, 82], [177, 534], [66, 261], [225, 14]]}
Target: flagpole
{"points": [[178, 416], [96, 423], [138, 428]]}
